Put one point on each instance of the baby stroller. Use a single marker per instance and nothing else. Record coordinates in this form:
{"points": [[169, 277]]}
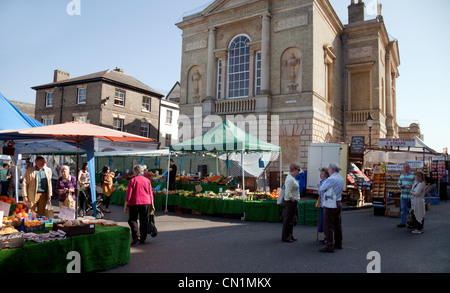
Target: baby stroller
{"points": [[89, 204]]}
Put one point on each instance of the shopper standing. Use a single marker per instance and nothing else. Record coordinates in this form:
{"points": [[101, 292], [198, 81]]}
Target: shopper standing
{"points": [[332, 216], [418, 197], [37, 186], [65, 188], [323, 176], [12, 178], [106, 179], [291, 198], [4, 177], [172, 175], [443, 189], [139, 203], [405, 183]]}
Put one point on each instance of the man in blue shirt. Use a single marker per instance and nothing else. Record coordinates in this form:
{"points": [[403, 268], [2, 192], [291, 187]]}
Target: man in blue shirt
{"points": [[332, 216], [405, 183]]}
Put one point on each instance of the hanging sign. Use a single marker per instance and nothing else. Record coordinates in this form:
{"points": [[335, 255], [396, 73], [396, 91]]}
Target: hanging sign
{"points": [[415, 164], [396, 142]]}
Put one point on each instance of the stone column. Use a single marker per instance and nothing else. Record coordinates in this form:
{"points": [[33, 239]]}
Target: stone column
{"points": [[389, 106], [265, 54], [388, 84], [211, 64]]}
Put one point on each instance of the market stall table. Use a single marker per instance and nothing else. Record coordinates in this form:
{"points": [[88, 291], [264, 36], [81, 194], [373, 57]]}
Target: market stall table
{"points": [[107, 248]]}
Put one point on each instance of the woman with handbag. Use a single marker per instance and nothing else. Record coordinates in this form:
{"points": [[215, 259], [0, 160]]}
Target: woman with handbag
{"points": [[418, 201], [106, 179], [291, 198], [65, 188], [139, 203]]}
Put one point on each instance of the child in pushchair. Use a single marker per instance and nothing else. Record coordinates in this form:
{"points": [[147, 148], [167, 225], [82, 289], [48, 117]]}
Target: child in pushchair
{"points": [[88, 206]]}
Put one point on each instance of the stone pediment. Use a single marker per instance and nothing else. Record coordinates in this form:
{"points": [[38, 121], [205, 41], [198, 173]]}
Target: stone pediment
{"points": [[223, 5]]}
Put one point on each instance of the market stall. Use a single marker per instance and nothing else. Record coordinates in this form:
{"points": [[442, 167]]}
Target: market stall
{"points": [[385, 163], [107, 248], [225, 138]]}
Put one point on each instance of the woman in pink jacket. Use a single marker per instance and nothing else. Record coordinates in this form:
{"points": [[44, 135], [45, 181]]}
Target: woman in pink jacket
{"points": [[138, 202]]}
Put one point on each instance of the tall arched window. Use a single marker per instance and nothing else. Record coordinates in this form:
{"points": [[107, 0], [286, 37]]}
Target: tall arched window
{"points": [[238, 67]]}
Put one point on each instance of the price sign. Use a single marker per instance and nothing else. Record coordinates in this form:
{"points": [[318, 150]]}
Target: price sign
{"points": [[67, 213], [4, 207]]}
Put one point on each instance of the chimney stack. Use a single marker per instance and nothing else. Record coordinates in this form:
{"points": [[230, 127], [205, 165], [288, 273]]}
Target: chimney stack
{"points": [[118, 69], [356, 11], [60, 75]]}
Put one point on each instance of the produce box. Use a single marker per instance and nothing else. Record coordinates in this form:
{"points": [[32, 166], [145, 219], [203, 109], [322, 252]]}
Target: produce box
{"points": [[81, 229], [432, 200], [14, 240]]}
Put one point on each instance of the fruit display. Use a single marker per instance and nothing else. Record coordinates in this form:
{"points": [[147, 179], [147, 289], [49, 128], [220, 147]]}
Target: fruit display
{"points": [[21, 210], [274, 194], [8, 230], [12, 221], [6, 199]]}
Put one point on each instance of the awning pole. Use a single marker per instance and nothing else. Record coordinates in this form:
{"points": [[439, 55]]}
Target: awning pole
{"points": [[168, 182], [281, 170], [243, 179]]}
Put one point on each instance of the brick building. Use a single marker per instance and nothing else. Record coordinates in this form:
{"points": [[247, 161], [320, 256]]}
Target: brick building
{"points": [[296, 61], [108, 98]]}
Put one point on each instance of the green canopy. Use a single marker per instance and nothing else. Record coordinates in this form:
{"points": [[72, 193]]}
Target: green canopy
{"points": [[224, 138]]}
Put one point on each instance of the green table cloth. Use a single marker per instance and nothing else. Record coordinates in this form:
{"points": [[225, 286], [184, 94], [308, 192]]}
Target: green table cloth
{"points": [[258, 211], [107, 248]]}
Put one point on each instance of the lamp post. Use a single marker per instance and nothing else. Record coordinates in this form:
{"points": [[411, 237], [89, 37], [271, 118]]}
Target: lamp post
{"points": [[369, 122]]}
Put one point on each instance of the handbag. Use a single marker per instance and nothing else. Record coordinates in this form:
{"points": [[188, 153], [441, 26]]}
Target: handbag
{"points": [[151, 228], [280, 199], [49, 211], [329, 199]]}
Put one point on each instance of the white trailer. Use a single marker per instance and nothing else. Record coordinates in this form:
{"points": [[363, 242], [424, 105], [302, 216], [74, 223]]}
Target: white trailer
{"points": [[320, 155]]}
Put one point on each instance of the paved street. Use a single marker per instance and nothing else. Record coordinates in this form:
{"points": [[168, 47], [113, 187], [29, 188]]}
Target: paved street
{"points": [[205, 244]]}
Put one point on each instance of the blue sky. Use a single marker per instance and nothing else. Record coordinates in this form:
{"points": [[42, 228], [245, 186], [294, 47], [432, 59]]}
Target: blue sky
{"points": [[140, 36]]}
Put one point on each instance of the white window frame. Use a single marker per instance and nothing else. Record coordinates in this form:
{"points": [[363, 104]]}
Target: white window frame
{"points": [[168, 140], [145, 129], [258, 64], [49, 99], [119, 98], [79, 95], [82, 118], [244, 69], [117, 120], [219, 79], [47, 121], [146, 104], [169, 117]]}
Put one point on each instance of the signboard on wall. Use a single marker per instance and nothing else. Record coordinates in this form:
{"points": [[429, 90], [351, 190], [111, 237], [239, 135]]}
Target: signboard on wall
{"points": [[357, 146], [396, 142]]}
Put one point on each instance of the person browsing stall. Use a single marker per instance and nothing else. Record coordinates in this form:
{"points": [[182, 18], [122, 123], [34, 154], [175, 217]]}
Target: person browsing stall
{"points": [[139, 203], [37, 186], [172, 175], [405, 183], [418, 197], [291, 198], [65, 188]]}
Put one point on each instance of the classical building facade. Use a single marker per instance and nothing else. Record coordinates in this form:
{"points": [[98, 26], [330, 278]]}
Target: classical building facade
{"points": [[294, 64], [108, 98]]}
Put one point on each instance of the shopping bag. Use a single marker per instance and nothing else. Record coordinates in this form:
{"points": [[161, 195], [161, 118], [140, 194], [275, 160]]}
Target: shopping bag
{"points": [[151, 228], [329, 199], [49, 211], [280, 199]]}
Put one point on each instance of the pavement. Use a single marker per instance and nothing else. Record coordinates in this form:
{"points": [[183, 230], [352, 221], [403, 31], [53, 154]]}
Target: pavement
{"points": [[207, 244]]}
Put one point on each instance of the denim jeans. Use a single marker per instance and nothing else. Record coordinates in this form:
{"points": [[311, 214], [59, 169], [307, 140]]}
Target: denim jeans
{"points": [[404, 202]]}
